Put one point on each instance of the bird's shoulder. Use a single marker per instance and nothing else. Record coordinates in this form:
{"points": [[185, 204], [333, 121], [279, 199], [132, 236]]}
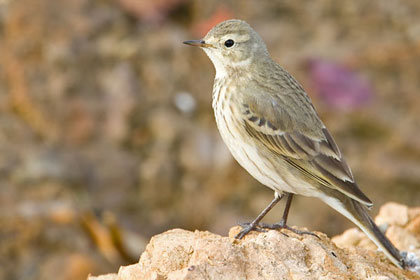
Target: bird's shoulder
{"points": [[276, 98]]}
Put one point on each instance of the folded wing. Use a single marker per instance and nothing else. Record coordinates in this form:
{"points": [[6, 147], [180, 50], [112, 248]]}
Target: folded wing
{"points": [[302, 140]]}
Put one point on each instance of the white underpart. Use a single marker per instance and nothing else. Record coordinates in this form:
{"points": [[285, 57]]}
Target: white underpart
{"points": [[338, 206], [243, 152], [217, 62], [247, 154]]}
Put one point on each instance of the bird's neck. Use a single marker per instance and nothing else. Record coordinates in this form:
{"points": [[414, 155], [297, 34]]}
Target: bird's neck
{"points": [[233, 68]]}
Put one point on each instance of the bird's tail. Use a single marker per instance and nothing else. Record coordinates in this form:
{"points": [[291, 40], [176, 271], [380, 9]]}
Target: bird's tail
{"points": [[358, 214]]}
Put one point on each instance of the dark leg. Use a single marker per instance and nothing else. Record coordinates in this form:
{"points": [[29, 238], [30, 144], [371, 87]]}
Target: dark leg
{"points": [[247, 227], [282, 223], [287, 207]]}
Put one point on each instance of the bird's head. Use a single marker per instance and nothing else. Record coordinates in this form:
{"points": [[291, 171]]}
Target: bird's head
{"points": [[232, 44]]}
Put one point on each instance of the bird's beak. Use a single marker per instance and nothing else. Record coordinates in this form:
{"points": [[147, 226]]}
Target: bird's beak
{"points": [[198, 43]]}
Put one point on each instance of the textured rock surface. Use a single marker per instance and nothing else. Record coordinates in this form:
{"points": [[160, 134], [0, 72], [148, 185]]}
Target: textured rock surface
{"points": [[181, 254]]}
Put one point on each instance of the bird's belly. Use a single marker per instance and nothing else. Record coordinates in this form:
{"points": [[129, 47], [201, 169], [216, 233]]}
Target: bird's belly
{"points": [[250, 157], [247, 156]]}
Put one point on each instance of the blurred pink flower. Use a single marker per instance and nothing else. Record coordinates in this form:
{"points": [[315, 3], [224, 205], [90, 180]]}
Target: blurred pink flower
{"points": [[337, 85]]}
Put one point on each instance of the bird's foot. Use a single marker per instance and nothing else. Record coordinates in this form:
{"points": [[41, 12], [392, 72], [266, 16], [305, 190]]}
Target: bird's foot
{"points": [[247, 228], [282, 224]]}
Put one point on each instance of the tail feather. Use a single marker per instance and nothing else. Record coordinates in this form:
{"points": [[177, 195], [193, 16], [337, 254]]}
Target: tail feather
{"points": [[358, 214]]}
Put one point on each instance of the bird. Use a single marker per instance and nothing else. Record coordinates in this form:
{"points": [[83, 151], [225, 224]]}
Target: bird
{"points": [[272, 129]]}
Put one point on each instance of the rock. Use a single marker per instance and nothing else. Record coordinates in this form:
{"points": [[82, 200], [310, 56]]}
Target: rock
{"points": [[393, 213], [111, 276], [182, 254]]}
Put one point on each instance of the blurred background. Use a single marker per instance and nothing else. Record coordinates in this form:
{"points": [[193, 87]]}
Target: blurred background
{"points": [[107, 135]]}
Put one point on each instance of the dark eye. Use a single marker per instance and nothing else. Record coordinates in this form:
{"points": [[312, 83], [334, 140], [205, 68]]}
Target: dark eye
{"points": [[229, 43]]}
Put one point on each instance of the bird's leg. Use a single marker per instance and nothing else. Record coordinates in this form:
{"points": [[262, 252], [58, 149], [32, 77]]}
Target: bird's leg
{"points": [[254, 225], [283, 222]]}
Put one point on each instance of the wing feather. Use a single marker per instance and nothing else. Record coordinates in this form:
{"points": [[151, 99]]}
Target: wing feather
{"points": [[313, 152]]}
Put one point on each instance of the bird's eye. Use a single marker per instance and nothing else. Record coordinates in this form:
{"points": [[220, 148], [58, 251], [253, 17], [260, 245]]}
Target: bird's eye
{"points": [[229, 43]]}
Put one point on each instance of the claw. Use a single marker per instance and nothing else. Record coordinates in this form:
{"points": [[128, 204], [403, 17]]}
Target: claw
{"points": [[255, 227], [247, 228], [282, 225]]}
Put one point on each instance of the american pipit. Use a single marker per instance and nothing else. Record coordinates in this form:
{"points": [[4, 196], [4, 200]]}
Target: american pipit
{"points": [[272, 129]]}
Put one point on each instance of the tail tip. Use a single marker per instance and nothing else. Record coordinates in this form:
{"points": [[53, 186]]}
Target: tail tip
{"points": [[410, 261]]}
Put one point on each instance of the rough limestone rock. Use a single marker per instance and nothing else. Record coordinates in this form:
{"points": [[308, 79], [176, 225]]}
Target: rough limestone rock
{"points": [[181, 254]]}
